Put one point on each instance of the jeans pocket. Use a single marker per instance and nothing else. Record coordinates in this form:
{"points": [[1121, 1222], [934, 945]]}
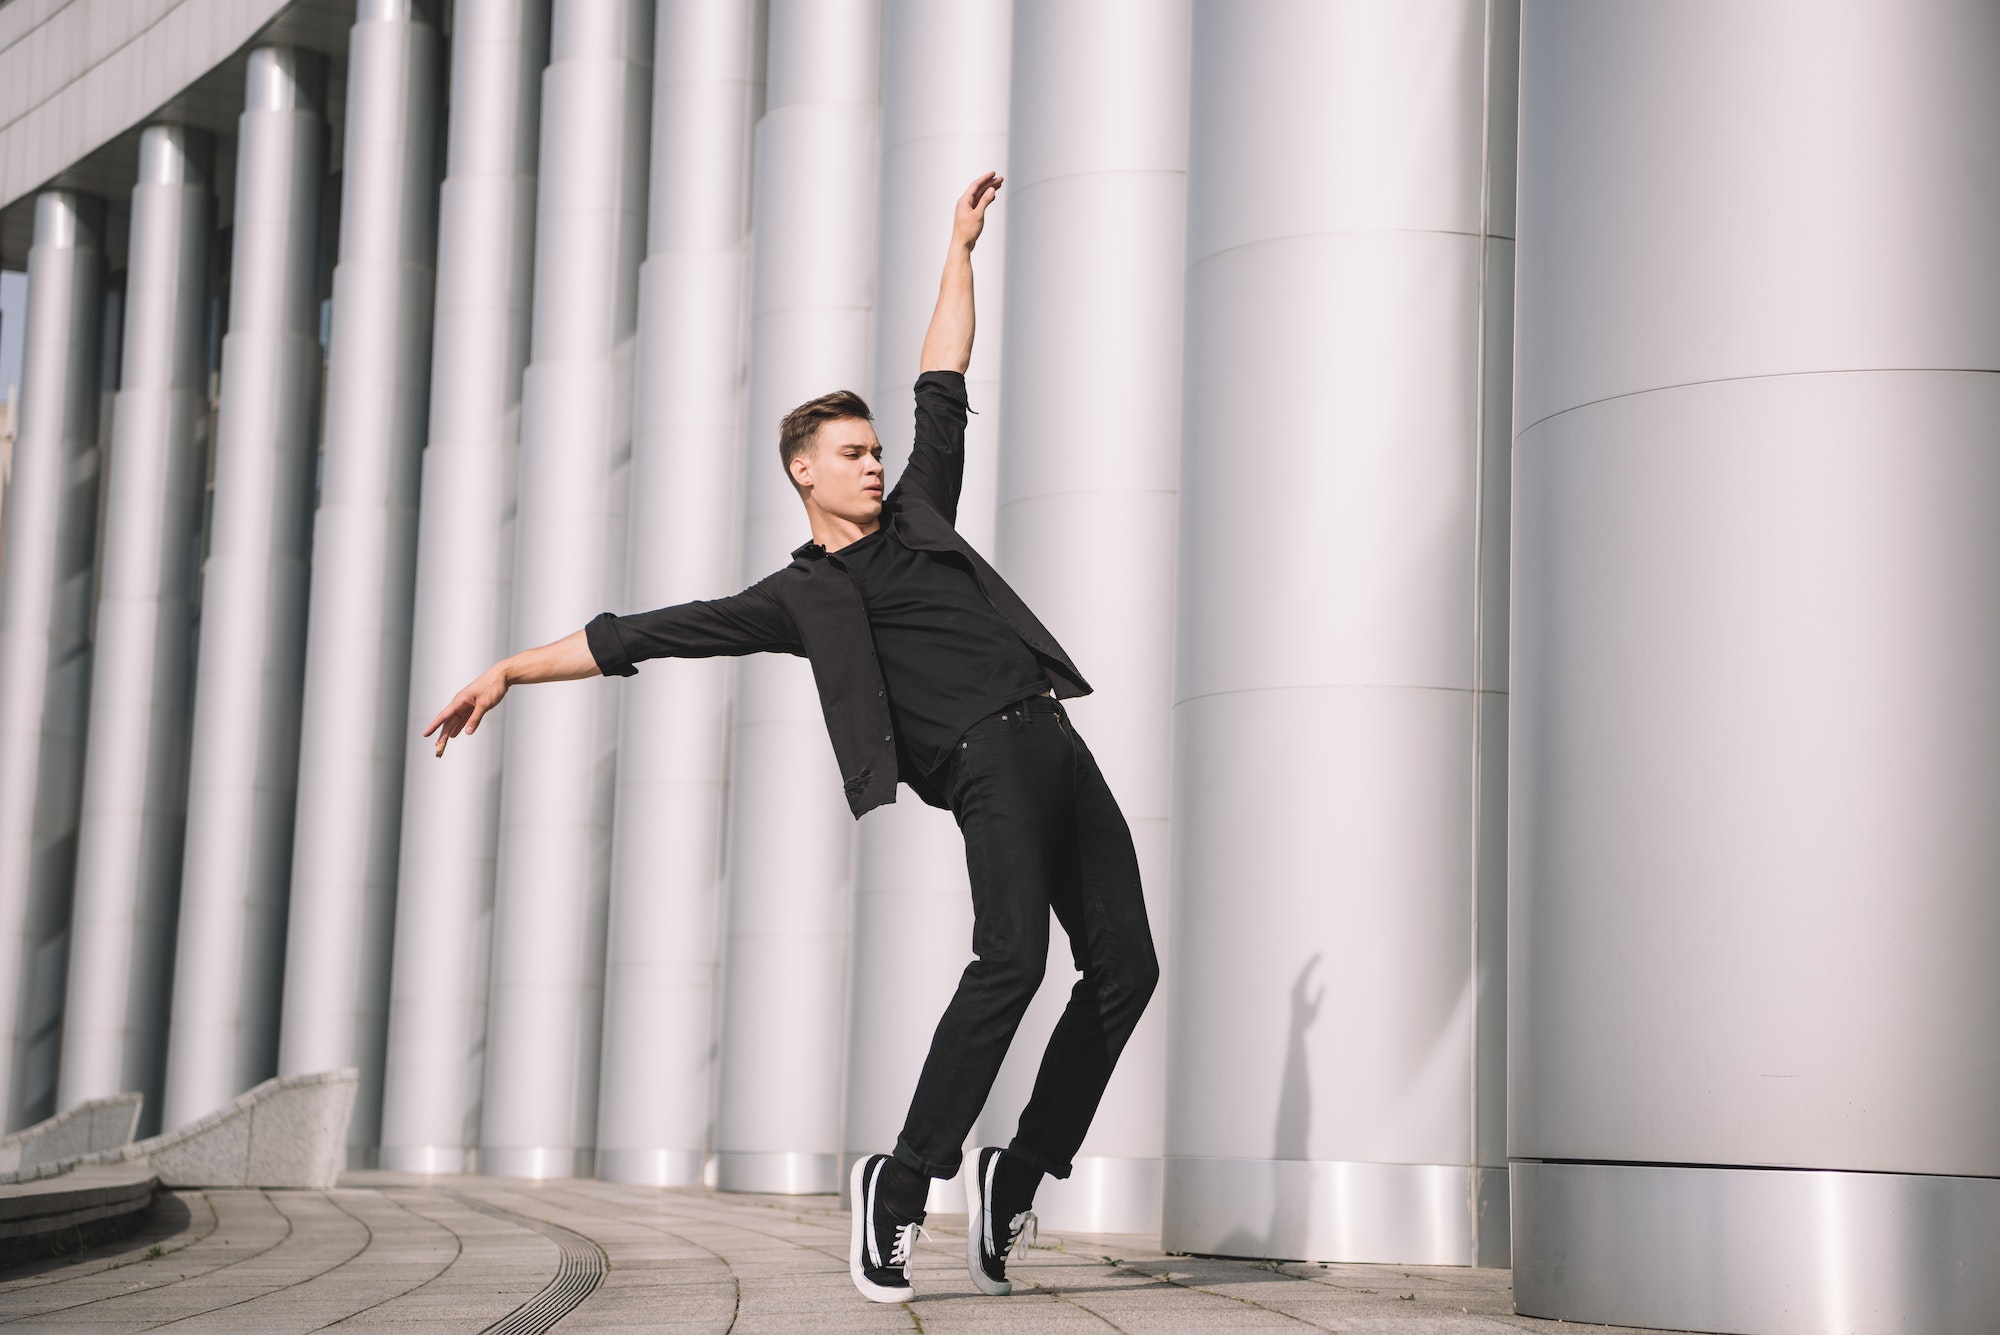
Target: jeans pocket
{"points": [[983, 731], [973, 740]]}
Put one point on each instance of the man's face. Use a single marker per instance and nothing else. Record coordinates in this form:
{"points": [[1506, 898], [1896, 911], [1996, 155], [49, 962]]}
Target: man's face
{"points": [[843, 470]]}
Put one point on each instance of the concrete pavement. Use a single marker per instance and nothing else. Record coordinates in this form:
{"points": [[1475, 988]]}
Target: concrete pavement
{"points": [[395, 1252]]}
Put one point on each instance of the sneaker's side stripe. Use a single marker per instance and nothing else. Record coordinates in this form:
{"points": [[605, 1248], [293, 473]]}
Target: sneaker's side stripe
{"points": [[868, 1229], [986, 1203]]}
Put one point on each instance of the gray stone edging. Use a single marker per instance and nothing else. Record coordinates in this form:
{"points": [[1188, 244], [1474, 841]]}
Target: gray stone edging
{"points": [[88, 1128], [290, 1131]]}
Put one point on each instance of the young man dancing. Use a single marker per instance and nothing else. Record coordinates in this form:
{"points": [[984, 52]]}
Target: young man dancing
{"points": [[933, 672]]}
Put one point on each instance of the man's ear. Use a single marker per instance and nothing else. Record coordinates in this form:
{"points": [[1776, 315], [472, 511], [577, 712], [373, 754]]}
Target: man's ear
{"points": [[801, 470]]}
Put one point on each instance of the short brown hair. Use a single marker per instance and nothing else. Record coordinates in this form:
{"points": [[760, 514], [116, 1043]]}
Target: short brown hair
{"points": [[801, 424]]}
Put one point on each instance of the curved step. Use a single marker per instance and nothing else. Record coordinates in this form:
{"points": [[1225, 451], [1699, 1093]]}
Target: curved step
{"points": [[88, 1195]]}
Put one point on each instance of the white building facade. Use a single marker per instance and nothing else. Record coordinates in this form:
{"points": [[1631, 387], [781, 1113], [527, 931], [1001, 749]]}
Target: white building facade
{"points": [[1520, 473]]}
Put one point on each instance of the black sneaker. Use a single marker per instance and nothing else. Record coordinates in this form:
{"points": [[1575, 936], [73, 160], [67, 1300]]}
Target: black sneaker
{"points": [[993, 1224], [878, 1253]]}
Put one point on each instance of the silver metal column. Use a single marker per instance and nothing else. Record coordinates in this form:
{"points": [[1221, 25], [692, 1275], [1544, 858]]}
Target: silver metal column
{"points": [[791, 872], [1755, 753], [944, 120], [357, 688], [45, 596], [111, 346], [1089, 451], [546, 995], [1340, 707], [435, 1056], [128, 868], [657, 1090], [223, 1034]]}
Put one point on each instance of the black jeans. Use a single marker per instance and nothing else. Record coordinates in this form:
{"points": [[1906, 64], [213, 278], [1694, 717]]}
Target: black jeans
{"points": [[1042, 832]]}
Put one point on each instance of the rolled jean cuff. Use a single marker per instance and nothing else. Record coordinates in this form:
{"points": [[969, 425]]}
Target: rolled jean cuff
{"points": [[909, 1158], [1041, 1163]]}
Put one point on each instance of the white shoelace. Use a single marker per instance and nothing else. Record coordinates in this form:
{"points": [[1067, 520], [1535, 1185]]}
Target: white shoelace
{"points": [[1018, 1231], [906, 1241]]}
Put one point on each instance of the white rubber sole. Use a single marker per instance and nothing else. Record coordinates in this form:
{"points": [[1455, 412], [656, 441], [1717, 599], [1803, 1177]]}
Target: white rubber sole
{"points": [[857, 1193], [975, 1228]]}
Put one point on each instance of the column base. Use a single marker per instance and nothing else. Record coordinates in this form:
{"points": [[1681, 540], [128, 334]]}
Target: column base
{"points": [[537, 1161], [1102, 1195], [429, 1159], [1761, 1251], [1331, 1210], [652, 1168], [781, 1173]]}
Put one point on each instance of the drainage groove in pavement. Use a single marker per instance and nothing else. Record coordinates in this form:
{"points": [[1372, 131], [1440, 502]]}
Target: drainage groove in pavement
{"points": [[577, 1274]]}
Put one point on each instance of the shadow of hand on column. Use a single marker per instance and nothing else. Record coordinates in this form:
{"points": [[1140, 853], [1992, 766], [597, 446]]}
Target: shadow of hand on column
{"points": [[1291, 1212]]}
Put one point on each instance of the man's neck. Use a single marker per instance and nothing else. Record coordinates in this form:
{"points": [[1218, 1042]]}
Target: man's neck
{"points": [[832, 532]]}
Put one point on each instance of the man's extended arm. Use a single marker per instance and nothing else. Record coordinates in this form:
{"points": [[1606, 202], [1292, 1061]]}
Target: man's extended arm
{"points": [[750, 622], [948, 342], [568, 659]]}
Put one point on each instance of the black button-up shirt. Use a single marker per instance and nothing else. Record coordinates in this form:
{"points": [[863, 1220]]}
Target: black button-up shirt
{"points": [[948, 658], [813, 608]]}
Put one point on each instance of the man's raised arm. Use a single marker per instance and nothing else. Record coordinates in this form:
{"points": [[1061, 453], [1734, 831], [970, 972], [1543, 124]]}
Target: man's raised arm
{"points": [[948, 342]]}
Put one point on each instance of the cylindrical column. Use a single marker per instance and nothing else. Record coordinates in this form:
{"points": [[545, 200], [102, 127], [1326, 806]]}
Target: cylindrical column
{"points": [[435, 1057], [357, 688], [791, 851], [658, 1089], [1755, 752], [45, 596], [546, 995], [1340, 706], [1089, 450], [244, 759], [110, 355], [128, 869], [944, 120]]}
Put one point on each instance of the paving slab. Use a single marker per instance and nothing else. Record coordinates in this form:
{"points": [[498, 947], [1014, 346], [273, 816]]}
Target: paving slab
{"points": [[389, 1252]]}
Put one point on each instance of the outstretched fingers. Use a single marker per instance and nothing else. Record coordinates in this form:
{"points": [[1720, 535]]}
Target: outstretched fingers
{"points": [[981, 192], [443, 716], [442, 726], [969, 214], [461, 715]]}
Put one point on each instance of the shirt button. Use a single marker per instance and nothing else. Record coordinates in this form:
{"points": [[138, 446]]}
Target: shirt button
{"points": [[886, 736]]}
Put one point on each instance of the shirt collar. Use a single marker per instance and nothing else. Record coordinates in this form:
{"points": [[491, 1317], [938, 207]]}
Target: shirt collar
{"points": [[809, 550]]}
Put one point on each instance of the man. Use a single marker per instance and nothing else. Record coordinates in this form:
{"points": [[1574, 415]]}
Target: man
{"points": [[933, 672]]}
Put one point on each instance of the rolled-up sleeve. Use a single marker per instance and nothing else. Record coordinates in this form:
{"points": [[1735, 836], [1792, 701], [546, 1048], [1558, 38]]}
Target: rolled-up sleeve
{"points": [[936, 470], [607, 646], [750, 622]]}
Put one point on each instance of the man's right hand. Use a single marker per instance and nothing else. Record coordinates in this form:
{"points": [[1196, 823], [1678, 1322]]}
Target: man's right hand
{"points": [[469, 706], [567, 659]]}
